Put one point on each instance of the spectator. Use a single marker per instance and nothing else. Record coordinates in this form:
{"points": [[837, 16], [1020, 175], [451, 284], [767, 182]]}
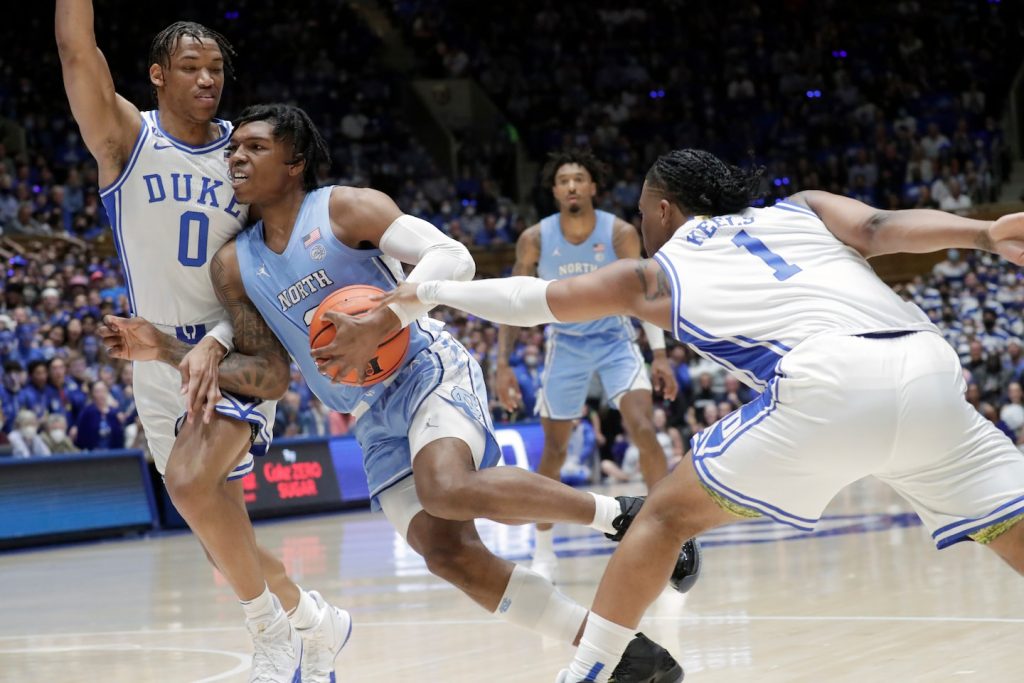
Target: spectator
{"points": [[669, 439], [315, 420], [955, 201], [287, 421], [99, 426], [38, 396], [69, 396], [56, 438], [1012, 413], [528, 374], [26, 223], [25, 439]]}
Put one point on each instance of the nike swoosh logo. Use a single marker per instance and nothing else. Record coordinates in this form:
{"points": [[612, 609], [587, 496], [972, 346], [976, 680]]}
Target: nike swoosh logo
{"points": [[157, 145]]}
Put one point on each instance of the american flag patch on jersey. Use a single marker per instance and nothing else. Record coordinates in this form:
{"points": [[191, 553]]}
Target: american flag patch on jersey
{"points": [[311, 239]]}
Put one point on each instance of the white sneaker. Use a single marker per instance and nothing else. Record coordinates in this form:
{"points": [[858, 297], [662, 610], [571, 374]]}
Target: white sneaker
{"points": [[277, 651], [546, 566], [322, 643]]}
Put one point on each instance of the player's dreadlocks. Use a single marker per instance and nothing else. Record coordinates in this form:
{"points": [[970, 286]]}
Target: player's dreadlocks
{"points": [[583, 157], [166, 42], [702, 183], [293, 125]]}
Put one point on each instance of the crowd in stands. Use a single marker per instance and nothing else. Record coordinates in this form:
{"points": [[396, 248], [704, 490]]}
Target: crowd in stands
{"points": [[894, 103]]}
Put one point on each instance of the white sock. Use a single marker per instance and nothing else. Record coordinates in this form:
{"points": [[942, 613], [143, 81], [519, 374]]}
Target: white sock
{"points": [[532, 602], [606, 509], [306, 614], [263, 608], [600, 649], [544, 543]]}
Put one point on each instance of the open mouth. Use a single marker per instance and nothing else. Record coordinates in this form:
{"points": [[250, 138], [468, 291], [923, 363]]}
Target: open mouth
{"points": [[238, 178]]}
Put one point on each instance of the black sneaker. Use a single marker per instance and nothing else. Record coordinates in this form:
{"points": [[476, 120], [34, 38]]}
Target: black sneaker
{"points": [[688, 565], [644, 661]]}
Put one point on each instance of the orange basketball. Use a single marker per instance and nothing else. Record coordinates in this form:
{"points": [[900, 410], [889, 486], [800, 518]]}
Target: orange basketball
{"points": [[355, 300]]}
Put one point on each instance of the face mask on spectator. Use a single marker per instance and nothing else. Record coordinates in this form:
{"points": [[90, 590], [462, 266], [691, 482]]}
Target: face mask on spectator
{"points": [[29, 431], [57, 435]]}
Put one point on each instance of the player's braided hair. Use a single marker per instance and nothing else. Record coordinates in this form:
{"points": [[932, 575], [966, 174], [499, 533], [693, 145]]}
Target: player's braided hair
{"points": [[702, 183], [293, 125], [165, 44], [583, 157]]}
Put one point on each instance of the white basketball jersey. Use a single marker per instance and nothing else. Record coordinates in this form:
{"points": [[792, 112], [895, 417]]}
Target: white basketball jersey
{"points": [[748, 287], [170, 210]]}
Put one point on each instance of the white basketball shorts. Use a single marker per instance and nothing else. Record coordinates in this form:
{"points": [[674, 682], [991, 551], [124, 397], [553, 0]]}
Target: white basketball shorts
{"points": [[844, 407], [158, 398]]}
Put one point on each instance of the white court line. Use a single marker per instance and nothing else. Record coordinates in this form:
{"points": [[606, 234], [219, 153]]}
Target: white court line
{"points": [[241, 667], [710, 619]]}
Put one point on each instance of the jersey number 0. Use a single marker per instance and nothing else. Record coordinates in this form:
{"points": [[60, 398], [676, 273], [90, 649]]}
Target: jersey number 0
{"points": [[195, 233]]}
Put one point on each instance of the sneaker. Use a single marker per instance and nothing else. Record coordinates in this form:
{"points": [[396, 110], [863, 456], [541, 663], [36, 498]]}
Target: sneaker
{"points": [[277, 651], [688, 564], [644, 661], [546, 566], [322, 643]]}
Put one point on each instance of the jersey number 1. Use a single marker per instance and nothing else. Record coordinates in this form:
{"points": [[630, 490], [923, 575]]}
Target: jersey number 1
{"points": [[195, 232], [780, 268]]}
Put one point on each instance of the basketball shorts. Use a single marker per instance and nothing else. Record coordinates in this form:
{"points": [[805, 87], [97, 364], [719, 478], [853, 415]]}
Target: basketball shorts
{"points": [[161, 407], [844, 407], [572, 360], [439, 393]]}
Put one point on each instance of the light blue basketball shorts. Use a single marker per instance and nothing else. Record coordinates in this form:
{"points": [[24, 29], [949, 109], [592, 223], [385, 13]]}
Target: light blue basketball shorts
{"points": [[445, 370], [571, 361]]}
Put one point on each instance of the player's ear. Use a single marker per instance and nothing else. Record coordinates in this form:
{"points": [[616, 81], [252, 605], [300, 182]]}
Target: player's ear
{"points": [[665, 213], [297, 166], [156, 75]]}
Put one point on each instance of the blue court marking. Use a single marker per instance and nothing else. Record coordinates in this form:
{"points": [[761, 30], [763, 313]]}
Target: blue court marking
{"points": [[753, 532]]}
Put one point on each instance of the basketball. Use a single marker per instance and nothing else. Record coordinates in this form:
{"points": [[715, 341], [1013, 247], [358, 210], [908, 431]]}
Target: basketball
{"points": [[355, 300]]}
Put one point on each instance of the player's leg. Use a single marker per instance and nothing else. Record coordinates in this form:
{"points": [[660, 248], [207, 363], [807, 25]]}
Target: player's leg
{"points": [[637, 408], [627, 385], [201, 461], [963, 476], [564, 384], [782, 458], [454, 552], [1008, 543]]}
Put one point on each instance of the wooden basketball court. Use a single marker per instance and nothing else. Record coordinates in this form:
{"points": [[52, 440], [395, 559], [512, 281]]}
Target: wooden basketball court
{"points": [[866, 598]]}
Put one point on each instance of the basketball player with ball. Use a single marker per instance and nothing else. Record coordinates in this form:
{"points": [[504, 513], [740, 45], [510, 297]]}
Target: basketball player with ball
{"points": [[429, 450]]}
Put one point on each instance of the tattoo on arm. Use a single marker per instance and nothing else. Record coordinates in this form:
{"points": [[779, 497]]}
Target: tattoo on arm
{"points": [[660, 286], [259, 366]]}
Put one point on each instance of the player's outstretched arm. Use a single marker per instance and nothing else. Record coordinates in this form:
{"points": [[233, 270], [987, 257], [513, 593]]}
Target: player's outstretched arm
{"points": [[626, 287], [109, 123], [873, 231]]}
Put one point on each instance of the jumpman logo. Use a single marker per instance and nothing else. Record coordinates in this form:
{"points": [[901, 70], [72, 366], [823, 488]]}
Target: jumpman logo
{"points": [[262, 272], [428, 425]]}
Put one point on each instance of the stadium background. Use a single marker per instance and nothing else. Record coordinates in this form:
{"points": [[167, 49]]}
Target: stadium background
{"points": [[451, 107]]}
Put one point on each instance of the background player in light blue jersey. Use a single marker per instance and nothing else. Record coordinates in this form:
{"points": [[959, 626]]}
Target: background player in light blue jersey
{"points": [[579, 239], [170, 204], [427, 440], [857, 381]]}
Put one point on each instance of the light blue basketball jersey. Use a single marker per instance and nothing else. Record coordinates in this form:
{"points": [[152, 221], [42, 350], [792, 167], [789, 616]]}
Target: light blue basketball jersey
{"points": [[288, 287], [560, 259]]}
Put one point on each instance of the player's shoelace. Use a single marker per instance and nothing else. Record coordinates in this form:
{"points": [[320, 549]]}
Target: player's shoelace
{"points": [[268, 653]]}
